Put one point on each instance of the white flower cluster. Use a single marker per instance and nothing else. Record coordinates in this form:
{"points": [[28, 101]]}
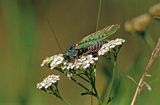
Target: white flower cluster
{"points": [[82, 63], [49, 81], [53, 61], [110, 45]]}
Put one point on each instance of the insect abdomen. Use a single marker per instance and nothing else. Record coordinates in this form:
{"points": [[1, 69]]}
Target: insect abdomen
{"points": [[92, 49], [95, 47]]}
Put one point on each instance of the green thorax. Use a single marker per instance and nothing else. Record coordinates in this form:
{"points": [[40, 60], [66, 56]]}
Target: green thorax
{"points": [[98, 36]]}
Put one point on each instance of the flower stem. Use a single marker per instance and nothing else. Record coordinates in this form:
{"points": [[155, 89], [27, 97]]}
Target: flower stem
{"points": [[65, 102], [57, 93], [149, 40], [112, 82], [83, 78], [92, 77], [78, 83], [96, 93]]}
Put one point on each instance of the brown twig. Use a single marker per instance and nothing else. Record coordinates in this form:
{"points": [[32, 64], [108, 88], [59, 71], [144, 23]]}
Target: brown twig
{"points": [[142, 79]]}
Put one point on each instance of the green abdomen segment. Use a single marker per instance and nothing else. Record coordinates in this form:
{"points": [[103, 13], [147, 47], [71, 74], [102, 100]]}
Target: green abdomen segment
{"points": [[98, 36]]}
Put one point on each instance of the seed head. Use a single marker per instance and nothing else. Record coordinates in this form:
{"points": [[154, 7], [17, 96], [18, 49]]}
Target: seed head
{"points": [[141, 22], [155, 10]]}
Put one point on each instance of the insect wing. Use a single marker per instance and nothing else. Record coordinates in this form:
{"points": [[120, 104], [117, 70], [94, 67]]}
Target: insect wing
{"points": [[98, 36]]}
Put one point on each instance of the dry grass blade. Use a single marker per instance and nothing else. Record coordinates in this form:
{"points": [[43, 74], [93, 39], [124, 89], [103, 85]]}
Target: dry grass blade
{"points": [[154, 55]]}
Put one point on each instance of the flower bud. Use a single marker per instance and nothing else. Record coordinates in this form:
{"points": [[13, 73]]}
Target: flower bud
{"points": [[155, 10], [129, 26], [141, 22], [138, 24]]}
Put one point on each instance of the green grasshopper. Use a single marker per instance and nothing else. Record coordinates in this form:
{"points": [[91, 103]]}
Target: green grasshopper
{"points": [[91, 43]]}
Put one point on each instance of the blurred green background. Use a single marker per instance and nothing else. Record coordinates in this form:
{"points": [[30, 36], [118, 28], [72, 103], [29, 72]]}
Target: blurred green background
{"points": [[26, 39]]}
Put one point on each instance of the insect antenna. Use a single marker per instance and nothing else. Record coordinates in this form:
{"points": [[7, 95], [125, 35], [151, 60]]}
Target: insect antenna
{"points": [[98, 15], [54, 34]]}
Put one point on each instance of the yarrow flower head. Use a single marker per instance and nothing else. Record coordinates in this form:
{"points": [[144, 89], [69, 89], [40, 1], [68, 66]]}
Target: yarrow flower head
{"points": [[89, 61], [53, 61], [48, 82], [82, 63], [47, 61], [110, 45]]}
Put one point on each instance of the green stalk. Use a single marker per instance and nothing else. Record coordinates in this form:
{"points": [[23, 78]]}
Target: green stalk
{"points": [[96, 92], [112, 82], [92, 77], [77, 82], [61, 98], [149, 40], [65, 102], [83, 78], [57, 93]]}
